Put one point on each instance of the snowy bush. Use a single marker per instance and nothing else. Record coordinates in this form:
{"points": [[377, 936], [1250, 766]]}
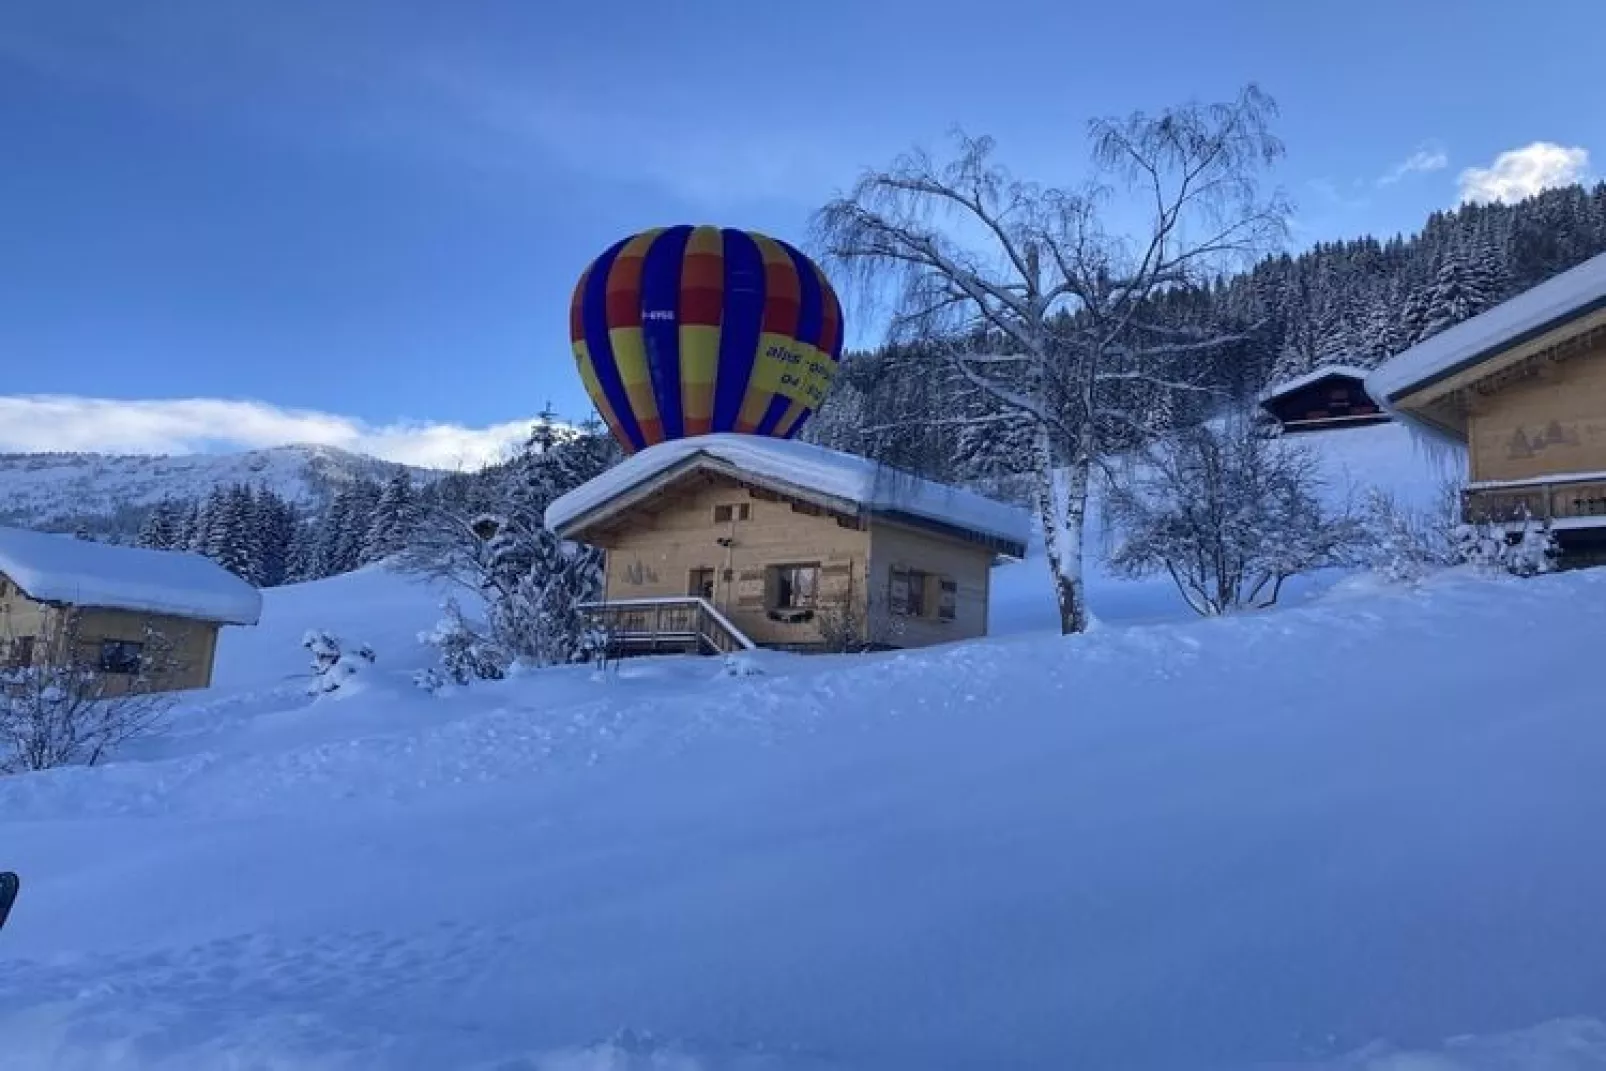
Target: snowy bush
{"points": [[69, 716], [1402, 544], [332, 666], [532, 584], [739, 665], [1229, 515], [1529, 551], [845, 629], [537, 585], [464, 654]]}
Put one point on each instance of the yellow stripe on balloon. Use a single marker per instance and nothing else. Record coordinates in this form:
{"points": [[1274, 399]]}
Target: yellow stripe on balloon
{"points": [[630, 357], [764, 382], [699, 363], [588, 379], [626, 341]]}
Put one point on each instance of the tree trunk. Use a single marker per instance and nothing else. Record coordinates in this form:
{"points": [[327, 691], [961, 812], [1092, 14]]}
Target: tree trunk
{"points": [[1062, 510]]}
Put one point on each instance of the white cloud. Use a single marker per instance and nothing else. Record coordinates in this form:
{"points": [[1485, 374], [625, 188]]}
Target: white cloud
{"points": [[1519, 173], [33, 423], [1427, 158]]}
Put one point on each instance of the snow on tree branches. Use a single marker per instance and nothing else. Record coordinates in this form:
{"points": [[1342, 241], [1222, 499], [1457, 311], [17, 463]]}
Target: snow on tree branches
{"points": [[1051, 321], [530, 583], [1228, 514]]}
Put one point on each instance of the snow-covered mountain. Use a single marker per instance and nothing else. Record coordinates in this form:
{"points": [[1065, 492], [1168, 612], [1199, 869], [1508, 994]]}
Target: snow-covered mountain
{"points": [[108, 493]]}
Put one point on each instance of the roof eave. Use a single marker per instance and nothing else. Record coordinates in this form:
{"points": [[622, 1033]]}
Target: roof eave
{"points": [[576, 527], [1494, 349], [210, 619], [651, 482]]}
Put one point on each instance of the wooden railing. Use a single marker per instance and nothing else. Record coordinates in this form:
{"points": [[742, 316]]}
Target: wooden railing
{"points": [[1545, 499], [683, 625]]}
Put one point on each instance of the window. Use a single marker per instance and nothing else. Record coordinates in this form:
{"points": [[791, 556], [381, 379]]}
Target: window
{"points": [[915, 593], [915, 601], [726, 514], [700, 585], [22, 651], [794, 587], [120, 656]]}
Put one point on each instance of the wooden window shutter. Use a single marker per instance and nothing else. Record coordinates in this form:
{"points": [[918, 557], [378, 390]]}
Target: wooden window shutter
{"points": [[898, 596], [947, 599], [752, 589]]}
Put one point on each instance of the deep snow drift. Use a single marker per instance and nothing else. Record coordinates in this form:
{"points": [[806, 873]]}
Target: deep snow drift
{"points": [[1303, 838], [1360, 832]]}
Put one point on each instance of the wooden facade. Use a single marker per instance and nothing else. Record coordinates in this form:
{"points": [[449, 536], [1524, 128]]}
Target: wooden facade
{"points": [[1532, 414], [153, 651], [791, 570], [1335, 399]]}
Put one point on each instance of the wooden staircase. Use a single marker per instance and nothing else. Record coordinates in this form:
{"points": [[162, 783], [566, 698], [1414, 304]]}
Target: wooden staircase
{"points": [[674, 625]]}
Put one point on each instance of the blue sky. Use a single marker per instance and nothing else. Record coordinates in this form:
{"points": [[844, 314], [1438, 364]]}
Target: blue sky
{"points": [[355, 221]]}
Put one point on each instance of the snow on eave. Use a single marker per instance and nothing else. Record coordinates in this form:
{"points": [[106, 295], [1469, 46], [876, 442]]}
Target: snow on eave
{"points": [[65, 571], [1315, 376], [863, 483], [1543, 308]]}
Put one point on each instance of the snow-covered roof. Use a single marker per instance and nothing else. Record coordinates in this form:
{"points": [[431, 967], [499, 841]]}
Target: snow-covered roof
{"points": [[871, 486], [1532, 312], [1314, 376], [63, 569]]}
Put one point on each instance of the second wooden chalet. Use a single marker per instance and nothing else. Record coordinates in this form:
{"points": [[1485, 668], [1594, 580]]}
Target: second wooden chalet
{"points": [[724, 541]]}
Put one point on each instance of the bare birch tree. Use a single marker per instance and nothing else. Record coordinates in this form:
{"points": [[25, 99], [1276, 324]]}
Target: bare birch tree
{"points": [[1075, 342]]}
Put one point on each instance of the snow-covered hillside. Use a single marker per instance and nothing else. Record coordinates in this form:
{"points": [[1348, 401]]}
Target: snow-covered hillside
{"points": [[1357, 832], [61, 490]]}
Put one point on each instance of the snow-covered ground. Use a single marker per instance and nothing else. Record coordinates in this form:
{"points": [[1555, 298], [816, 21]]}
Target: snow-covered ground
{"points": [[1358, 832], [1268, 841]]}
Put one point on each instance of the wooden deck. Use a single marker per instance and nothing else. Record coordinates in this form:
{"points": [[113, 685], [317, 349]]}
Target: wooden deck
{"points": [[673, 625], [1578, 499]]}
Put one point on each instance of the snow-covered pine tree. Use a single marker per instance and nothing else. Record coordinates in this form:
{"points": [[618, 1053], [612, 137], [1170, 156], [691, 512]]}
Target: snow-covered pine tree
{"points": [[1456, 296], [362, 502], [301, 560], [329, 533], [231, 540], [161, 528], [275, 523], [199, 526], [394, 516]]}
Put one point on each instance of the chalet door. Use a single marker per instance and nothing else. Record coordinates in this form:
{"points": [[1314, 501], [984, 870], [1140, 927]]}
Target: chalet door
{"points": [[700, 584]]}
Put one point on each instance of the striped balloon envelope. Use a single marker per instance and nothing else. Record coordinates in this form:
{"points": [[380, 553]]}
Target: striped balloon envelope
{"points": [[683, 331]]}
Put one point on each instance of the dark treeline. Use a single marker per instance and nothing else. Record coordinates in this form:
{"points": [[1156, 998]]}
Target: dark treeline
{"points": [[1353, 302], [264, 538]]}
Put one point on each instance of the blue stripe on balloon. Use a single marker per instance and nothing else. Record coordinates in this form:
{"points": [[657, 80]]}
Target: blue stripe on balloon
{"points": [[797, 425], [772, 415], [594, 318], [742, 323], [660, 334], [811, 311]]}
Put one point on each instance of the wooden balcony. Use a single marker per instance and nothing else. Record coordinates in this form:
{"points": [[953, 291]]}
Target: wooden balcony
{"points": [[1568, 501], [686, 625]]}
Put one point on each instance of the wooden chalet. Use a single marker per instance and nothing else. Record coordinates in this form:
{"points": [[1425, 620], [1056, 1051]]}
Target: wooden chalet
{"points": [[1332, 396], [1523, 388], [139, 619], [722, 542]]}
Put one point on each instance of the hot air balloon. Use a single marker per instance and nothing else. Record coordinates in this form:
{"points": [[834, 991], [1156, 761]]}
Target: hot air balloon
{"points": [[682, 331]]}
